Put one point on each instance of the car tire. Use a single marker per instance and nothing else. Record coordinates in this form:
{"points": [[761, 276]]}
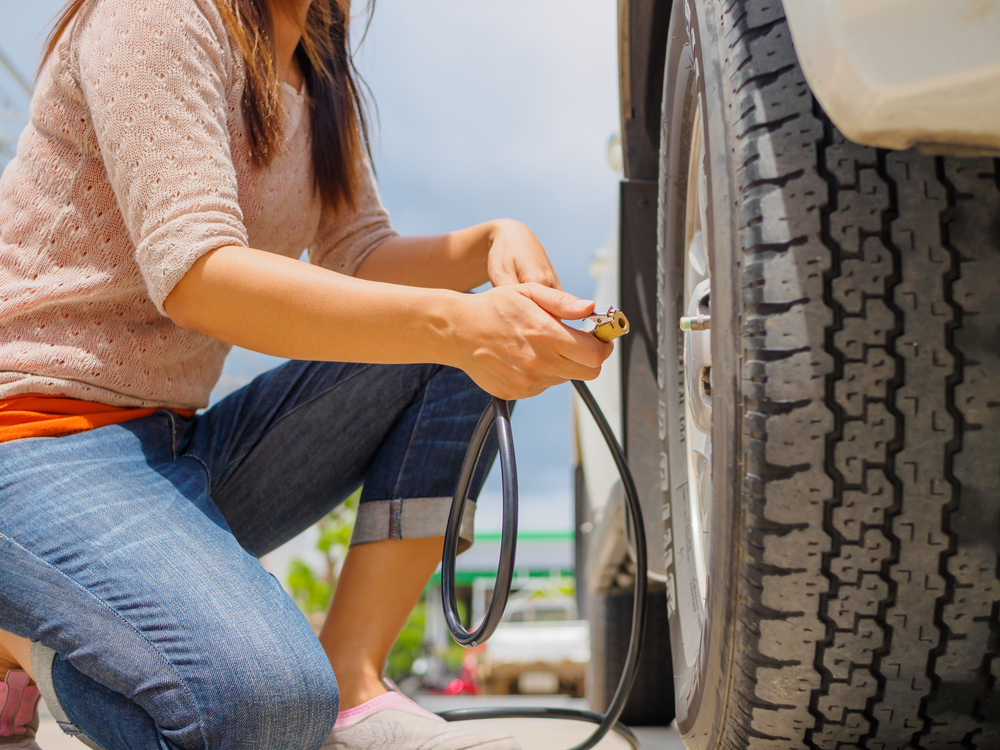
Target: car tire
{"points": [[852, 590]]}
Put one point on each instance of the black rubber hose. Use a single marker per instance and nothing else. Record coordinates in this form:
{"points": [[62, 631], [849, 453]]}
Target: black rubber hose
{"points": [[498, 414]]}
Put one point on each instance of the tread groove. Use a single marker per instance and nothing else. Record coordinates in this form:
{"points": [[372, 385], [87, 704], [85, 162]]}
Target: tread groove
{"points": [[954, 446]]}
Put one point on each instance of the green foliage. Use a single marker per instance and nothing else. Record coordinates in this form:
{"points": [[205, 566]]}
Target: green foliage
{"points": [[335, 530], [409, 646], [313, 590]]}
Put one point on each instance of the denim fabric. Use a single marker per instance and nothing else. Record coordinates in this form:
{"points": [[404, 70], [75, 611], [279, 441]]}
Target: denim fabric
{"points": [[128, 553]]}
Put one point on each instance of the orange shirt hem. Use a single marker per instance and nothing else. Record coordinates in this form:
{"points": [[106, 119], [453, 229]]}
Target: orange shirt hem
{"points": [[37, 415]]}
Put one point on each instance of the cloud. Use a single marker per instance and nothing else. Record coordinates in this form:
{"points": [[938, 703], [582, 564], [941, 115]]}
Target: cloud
{"points": [[498, 109]]}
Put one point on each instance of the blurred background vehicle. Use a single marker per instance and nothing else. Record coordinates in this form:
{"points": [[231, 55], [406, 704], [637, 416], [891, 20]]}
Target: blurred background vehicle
{"points": [[541, 647]]}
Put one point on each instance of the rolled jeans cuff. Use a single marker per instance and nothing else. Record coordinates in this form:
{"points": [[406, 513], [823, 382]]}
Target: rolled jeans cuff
{"points": [[41, 664], [411, 518]]}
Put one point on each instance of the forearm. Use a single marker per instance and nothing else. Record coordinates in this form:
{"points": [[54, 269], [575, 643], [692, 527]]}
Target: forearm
{"points": [[510, 339], [286, 308], [456, 260]]}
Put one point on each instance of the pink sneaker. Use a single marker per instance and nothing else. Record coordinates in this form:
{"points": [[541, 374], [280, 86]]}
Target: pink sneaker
{"points": [[394, 722], [18, 712]]}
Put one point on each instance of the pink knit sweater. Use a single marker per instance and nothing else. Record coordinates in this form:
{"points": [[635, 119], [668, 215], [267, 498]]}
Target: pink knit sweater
{"points": [[133, 165]]}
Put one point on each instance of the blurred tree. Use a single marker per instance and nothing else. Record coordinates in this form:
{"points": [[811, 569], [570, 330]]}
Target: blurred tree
{"points": [[409, 646], [313, 590]]}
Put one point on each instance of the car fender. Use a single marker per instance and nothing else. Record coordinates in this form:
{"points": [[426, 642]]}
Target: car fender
{"points": [[904, 73]]}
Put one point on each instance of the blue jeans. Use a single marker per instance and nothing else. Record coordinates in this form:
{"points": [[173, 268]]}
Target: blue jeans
{"points": [[128, 554]]}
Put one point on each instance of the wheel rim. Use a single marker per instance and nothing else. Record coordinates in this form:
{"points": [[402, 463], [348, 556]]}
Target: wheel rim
{"points": [[697, 376]]}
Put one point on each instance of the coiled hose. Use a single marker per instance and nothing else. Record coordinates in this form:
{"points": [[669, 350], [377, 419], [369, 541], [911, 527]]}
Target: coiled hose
{"points": [[498, 415]]}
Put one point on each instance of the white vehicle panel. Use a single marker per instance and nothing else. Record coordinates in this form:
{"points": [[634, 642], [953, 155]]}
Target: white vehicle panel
{"points": [[601, 474], [900, 73]]}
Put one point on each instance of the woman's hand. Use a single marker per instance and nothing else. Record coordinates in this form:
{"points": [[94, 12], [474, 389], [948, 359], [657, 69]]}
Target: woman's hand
{"points": [[501, 251], [512, 343], [516, 256]]}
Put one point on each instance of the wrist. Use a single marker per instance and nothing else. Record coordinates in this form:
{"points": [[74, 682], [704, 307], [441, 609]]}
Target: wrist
{"points": [[447, 317], [496, 227]]}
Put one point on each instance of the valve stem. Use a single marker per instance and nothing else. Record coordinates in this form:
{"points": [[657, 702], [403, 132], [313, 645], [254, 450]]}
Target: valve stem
{"points": [[696, 323]]}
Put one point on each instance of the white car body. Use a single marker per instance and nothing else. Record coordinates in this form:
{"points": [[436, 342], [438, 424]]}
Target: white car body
{"points": [[904, 73], [591, 451]]}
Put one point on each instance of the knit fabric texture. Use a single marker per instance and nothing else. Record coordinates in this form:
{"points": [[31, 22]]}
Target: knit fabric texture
{"points": [[135, 163]]}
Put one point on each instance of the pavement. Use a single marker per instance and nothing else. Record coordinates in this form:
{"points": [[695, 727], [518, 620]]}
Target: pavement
{"points": [[534, 734]]}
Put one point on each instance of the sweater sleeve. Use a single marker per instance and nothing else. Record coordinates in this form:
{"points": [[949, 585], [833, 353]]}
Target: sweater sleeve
{"points": [[155, 77], [345, 237]]}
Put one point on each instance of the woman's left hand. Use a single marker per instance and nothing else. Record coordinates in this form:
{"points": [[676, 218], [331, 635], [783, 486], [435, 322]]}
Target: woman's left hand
{"points": [[517, 257]]}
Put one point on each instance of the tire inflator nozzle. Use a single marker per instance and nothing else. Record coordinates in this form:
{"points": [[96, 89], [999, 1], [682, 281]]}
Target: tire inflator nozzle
{"points": [[608, 325]]}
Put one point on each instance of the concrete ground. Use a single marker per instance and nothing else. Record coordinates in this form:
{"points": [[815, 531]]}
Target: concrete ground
{"points": [[50, 736], [533, 734]]}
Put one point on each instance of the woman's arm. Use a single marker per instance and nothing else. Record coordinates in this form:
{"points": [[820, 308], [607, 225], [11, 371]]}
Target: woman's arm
{"points": [[501, 251], [509, 340]]}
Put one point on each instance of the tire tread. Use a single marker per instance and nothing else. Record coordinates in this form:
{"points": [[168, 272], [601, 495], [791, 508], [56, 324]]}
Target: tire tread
{"points": [[870, 604]]}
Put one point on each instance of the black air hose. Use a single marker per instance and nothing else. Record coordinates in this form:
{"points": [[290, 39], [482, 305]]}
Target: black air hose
{"points": [[497, 414]]}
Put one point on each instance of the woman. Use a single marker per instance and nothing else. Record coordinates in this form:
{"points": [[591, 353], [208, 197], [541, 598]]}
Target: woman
{"points": [[180, 156]]}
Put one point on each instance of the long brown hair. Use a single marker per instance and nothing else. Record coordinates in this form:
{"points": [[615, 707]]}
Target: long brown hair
{"points": [[339, 118]]}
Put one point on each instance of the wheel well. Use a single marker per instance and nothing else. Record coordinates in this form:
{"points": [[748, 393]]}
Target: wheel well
{"points": [[642, 46]]}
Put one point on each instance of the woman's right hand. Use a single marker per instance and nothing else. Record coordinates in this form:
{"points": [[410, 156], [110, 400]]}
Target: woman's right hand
{"points": [[512, 342]]}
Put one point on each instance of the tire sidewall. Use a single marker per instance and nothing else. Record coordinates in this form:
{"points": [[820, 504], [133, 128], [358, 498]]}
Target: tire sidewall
{"points": [[702, 686]]}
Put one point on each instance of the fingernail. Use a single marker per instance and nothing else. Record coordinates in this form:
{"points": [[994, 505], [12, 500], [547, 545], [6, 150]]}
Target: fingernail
{"points": [[583, 303]]}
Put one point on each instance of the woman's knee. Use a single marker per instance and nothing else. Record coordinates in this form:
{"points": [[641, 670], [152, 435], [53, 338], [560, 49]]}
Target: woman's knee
{"points": [[275, 699], [248, 699]]}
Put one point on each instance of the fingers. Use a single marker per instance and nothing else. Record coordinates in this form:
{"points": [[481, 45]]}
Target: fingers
{"points": [[502, 276], [576, 371], [559, 353], [552, 282], [521, 346], [539, 277], [557, 303], [557, 337], [585, 349], [520, 385], [519, 273], [539, 273], [515, 256]]}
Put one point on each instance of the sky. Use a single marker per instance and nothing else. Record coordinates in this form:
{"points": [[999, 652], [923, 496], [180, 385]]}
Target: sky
{"points": [[486, 109]]}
